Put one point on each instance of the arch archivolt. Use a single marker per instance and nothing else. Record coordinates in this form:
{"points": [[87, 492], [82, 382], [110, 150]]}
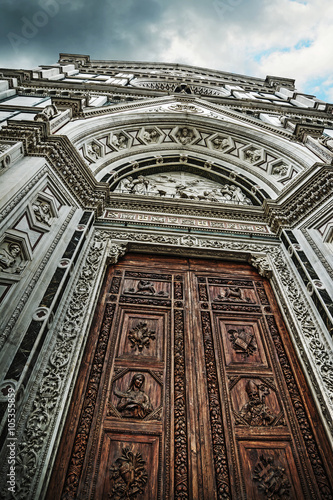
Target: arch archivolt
{"points": [[272, 159]]}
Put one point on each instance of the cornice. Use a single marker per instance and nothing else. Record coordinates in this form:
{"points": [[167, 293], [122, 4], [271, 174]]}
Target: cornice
{"points": [[315, 191], [63, 158]]}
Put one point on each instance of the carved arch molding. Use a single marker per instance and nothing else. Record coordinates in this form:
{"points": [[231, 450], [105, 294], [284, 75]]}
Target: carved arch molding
{"points": [[42, 423]]}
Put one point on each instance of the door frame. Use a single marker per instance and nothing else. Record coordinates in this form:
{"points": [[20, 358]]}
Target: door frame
{"points": [[59, 369]]}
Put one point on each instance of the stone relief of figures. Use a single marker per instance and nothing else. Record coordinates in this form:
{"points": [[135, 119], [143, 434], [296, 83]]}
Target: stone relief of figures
{"points": [[280, 170], [93, 150], [183, 185], [252, 155], [220, 143], [255, 412], [4, 147], [47, 114], [150, 136], [120, 141], [327, 141], [185, 136], [11, 259], [42, 211], [134, 402]]}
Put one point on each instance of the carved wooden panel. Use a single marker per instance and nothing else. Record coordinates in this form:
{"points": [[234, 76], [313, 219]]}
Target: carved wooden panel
{"points": [[270, 471], [242, 342], [189, 388], [128, 467]]}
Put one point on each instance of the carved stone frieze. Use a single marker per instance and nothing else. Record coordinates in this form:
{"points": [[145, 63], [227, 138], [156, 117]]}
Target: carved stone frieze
{"points": [[6, 332], [185, 186], [64, 159]]}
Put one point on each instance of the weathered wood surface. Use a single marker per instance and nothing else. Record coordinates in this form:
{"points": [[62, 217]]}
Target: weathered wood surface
{"points": [[190, 388]]}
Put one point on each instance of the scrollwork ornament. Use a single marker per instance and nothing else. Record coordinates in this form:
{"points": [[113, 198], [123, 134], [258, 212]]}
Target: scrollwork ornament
{"points": [[116, 251], [261, 263], [34, 434]]}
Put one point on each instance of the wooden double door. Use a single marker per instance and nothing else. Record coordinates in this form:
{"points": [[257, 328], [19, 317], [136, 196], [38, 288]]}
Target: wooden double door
{"points": [[190, 389]]}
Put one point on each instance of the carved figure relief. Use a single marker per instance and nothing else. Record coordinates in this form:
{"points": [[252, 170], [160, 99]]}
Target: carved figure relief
{"points": [[4, 147], [146, 287], [11, 259], [185, 136], [140, 336], [150, 136], [280, 170], [120, 141], [233, 294], [220, 143], [93, 150], [47, 114], [183, 185], [134, 403], [128, 475], [140, 185], [255, 412], [327, 141], [243, 341], [252, 155], [272, 479], [42, 211]]}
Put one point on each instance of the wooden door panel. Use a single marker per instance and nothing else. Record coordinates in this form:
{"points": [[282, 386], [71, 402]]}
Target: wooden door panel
{"points": [[190, 390], [123, 469], [142, 335], [242, 342], [245, 391], [269, 471]]}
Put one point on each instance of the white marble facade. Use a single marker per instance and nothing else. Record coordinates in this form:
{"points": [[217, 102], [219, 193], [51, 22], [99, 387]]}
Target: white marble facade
{"points": [[209, 172]]}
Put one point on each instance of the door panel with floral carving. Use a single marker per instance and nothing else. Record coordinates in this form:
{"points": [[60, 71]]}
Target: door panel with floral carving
{"points": [[189, 388]]}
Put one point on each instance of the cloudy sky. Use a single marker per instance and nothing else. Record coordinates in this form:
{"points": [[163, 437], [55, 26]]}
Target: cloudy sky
{"points": [[289, 38]]}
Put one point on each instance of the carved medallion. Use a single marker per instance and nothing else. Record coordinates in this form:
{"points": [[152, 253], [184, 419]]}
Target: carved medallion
{"points": [[129, 476], [272, 479], [140, 336], [134, 402], [255, 412], [243, 341]]}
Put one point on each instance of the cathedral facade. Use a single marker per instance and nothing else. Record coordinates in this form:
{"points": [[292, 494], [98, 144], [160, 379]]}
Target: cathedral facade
{"points": [[166, 284]]}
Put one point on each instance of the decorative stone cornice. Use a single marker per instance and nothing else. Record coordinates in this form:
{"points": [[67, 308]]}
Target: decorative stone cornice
{"points": [[302, 131], [300, 204], [63, 158]]}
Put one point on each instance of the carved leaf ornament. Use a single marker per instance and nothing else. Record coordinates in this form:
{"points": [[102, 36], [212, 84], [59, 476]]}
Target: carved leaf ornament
{"points": [[129, 476]]}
